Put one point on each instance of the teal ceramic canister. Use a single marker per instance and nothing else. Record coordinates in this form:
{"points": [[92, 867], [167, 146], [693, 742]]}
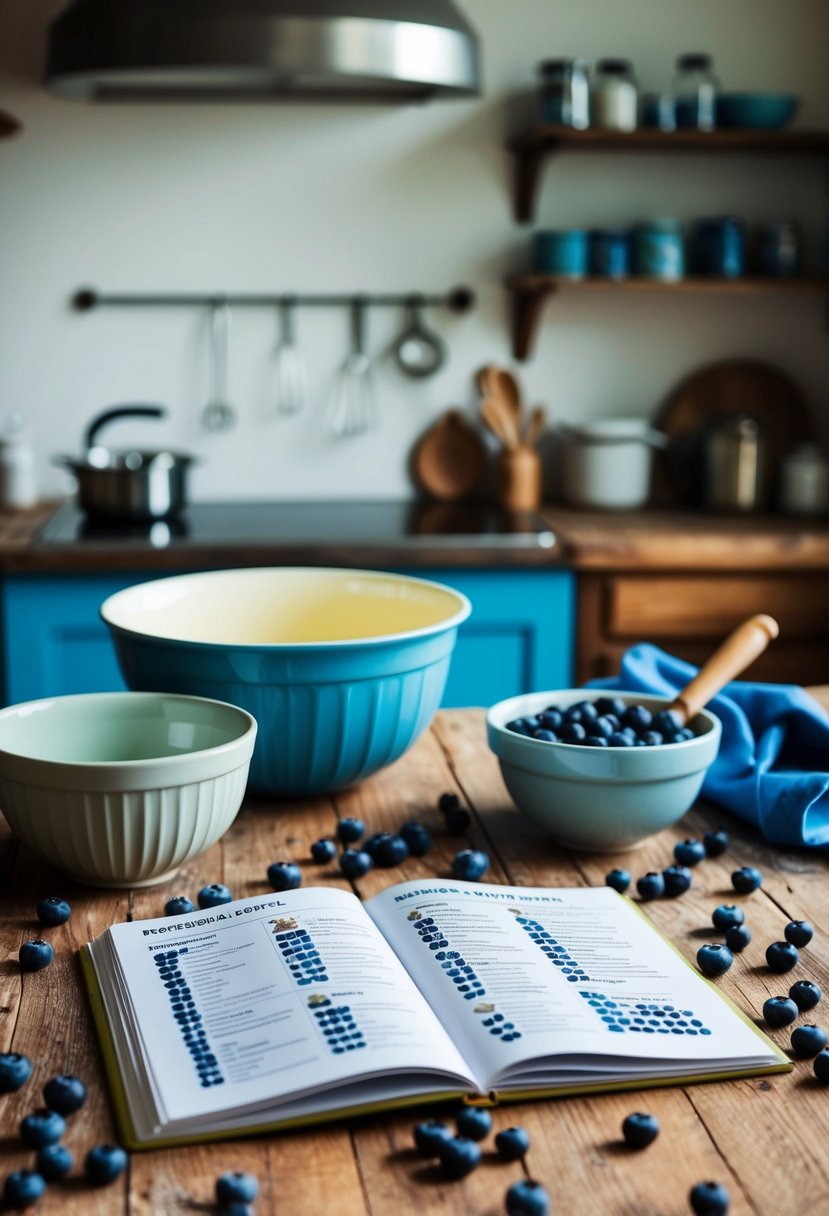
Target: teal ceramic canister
{"points": [[659, 250], [561, 252]]}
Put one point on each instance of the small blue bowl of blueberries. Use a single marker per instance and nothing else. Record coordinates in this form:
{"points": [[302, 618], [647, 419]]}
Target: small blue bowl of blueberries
{"points": [[601, 771]]}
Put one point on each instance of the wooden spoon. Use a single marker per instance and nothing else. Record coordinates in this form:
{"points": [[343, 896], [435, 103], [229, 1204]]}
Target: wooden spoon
{"points": [[535, 425], [738, 650], [510, 393], [500, 421]]}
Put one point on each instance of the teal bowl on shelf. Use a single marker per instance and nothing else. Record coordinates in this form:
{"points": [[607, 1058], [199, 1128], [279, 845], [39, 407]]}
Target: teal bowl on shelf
{"points": [[600, 799], [342, 669], [756, 111]]}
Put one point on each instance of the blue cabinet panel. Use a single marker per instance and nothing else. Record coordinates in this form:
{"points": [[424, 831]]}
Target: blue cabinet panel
{"points": [[519, 637]]}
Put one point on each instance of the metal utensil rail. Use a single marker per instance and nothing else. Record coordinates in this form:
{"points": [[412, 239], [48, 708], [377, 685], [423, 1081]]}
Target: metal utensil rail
{"points": [[459, 299]]}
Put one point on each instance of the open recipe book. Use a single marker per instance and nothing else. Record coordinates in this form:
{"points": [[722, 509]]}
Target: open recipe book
{"points": [[294, 1007]]}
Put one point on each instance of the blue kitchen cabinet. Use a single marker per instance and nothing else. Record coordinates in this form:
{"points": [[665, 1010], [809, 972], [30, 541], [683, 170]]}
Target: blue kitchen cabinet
{"points": [[520, 636]]}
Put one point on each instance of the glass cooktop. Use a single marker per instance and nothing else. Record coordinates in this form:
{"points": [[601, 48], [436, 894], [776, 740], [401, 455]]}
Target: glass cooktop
{"points": [[372, 523]]}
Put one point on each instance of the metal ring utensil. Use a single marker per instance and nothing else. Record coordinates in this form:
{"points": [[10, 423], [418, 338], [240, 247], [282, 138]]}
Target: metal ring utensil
{"points": [[419, 352]]}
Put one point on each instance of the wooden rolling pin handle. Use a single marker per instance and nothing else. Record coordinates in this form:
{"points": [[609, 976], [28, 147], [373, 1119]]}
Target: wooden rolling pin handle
{"points": [[738, 650]]}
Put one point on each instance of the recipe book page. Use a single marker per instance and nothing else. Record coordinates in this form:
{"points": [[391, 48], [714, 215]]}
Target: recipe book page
{"points": [[538, 985], [233, 1008]]}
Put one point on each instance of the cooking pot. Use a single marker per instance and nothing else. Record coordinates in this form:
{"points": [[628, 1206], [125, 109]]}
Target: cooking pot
{"points": [[129, 485], [607, 462]]}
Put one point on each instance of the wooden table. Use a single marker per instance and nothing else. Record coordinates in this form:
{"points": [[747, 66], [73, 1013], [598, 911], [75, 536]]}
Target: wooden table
{"points": [[765, 1138]]}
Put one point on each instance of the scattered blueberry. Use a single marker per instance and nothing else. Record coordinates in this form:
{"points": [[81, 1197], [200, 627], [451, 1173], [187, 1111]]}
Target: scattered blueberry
{"points": [[512, 1143], [42, 1127], [323, 850], [36, 955], [428, 1137], [349, 830], [677, 880], [470, 864], [808, 1041], [448, 802], [284, 875], [474, 1122], [821, 1067], [15, 1070], [716, 842], [390, 850], [726, 915], [417, 837], [780, 1011], [619, 880], [709, 1199], [371, 842], [782, 956], [354, 863], [799, 932], [213, 895], [53, 910], [805, 994], [527, 1198], [104, 1163], [65, 1094], [746, 879], [458, 1156], [714, 959], [737, 937], [179, 905], [236, 1187], [640, 1129], [651, 885], [689, 852], [458, 820], [23, 1188], [54, 1161]]}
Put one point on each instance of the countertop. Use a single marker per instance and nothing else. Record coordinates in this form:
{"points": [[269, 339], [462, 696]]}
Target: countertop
{"points": [[764, 1137], [584, 541]]}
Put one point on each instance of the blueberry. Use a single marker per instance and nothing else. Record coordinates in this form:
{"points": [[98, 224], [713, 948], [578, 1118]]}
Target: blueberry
{"points": [[604, 727], [709, 1199], [821, 1067], [417, 838], [470, 864], [179, 905], [512, 1143], [651, 885], [551, 719], [640, 1130], [545, 736], [520, 726], [638, 717], [36, 955], [54, 1161], [104, 1163], [527, 1198], [323, 850], [651, 738], [458, 1156], [65, 1094], [457, 821], [799, 932], [371, 842], [53, 910], [782, 956], [354, 863], [587, 711], [23, 1188], [716, 842], [474, 1122], [429, 1136], [15, 1070], [390, 850], [619, 739], [667, 721], [808, 1041], [619, 880], [610, 705], [213, 895], [805, 994], [746, 879], [714, 959], [727, 915], [284, 875], [236, 1187], [349, 830], [737, 937], [780, 1011], [450, 801], [42, 1127], [677, 880], [596, 741], [689, 852], [573, 732]]}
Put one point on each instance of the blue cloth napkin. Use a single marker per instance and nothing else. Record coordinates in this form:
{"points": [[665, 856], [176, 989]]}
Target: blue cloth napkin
{"points": [[774, 755]]}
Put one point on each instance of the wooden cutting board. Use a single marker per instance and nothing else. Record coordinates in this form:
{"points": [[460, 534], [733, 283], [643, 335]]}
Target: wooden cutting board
{"points": [[449, 460]]}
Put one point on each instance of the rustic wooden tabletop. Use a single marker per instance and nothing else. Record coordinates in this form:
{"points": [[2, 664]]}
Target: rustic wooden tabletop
{"points": [[765, 1139]]}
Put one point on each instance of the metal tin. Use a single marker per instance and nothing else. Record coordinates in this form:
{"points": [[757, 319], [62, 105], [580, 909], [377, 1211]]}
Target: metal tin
{"points": [[562, 252], [659, 250], [609, 252], [718, 247]]}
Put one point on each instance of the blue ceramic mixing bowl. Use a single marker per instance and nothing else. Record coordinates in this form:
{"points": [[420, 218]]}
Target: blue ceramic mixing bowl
{"points": [[342, 669]]}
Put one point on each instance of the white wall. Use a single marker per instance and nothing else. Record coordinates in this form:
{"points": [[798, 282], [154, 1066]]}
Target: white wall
{"points": [[351, 197]]}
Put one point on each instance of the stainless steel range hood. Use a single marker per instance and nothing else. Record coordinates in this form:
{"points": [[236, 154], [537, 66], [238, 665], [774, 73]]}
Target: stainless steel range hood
{"points": [[397, 50]]}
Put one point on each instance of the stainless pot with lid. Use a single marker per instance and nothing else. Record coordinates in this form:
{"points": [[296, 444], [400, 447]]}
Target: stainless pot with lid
{"points": [[131, 484]]}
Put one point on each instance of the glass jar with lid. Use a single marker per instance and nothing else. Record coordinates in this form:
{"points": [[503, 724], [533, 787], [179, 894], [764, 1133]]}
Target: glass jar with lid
{"points": [[614, 97], [565, 92], [695, 88]]}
